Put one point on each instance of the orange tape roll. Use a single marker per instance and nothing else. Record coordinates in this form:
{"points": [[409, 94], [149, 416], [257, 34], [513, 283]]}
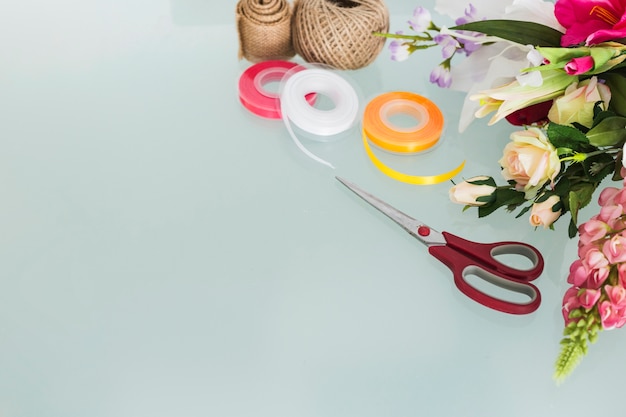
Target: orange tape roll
{"points": [[379, 130]]}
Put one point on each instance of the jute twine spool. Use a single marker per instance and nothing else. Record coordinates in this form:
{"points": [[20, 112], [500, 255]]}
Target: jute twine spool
{"points": [[264, 28], [339, 32]]}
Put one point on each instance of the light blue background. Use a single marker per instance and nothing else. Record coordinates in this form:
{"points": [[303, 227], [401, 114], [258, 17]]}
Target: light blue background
{"points": [[163, 252]]}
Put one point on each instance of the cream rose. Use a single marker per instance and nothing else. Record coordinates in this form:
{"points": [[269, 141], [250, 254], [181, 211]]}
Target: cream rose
{"points": [[470, 191], [546, 212], [530, 160], [577, 103]]}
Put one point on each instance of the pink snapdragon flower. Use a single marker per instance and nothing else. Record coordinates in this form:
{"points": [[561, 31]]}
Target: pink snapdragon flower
{"points": [[598, 276], [578, 273], [607, 195], [570, 303], [613, 311], [621, 273], [612, 317], [588, 297], [591, 22], [615, 249]]}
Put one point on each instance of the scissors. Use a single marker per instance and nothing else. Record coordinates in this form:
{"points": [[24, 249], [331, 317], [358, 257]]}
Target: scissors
{"points": [[466, 258]]}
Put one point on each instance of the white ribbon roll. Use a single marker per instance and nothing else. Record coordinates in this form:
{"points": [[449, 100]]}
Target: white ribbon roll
{"points": [[321, 123]]}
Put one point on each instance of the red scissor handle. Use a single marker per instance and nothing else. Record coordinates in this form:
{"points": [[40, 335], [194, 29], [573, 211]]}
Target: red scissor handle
{"points": [[465, 258], [484, 254]]}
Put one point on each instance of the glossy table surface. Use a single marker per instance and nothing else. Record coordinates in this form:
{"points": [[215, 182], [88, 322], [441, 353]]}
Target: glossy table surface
{"points": [[163, 252]]}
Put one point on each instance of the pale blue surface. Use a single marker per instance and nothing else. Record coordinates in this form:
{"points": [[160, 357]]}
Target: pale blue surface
{"points": [[165, 253]]}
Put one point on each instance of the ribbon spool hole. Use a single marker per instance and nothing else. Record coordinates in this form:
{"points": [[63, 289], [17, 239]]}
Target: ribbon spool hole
{"points": [[323, 102], [267, 82], [404, 116]]}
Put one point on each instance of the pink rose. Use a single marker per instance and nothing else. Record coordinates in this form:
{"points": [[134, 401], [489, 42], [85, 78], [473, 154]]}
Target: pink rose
{"points": [[530, 160], [546, 212]]}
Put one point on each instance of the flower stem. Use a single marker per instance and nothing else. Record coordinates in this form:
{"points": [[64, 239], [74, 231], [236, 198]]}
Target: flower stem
{"points": [[427, 37], [579, 157]]}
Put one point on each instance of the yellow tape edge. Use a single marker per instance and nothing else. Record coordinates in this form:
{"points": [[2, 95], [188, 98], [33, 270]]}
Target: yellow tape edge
{"points": [[410, 179]]}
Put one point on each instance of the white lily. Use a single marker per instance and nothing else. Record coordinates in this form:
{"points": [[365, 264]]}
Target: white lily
{"points": [[514, 96], [499, 62]]}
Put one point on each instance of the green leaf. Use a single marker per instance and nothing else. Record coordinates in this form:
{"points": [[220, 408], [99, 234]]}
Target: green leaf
{"points": [[523, 211], [573, 205], [610, 131], [562, 186], [562, 136], [522, 32], [597, 167], [599, 114], [617, 171], [617, 84], [482, 181], [584, 192], [579, 196], [572, 230], [504, 197]]}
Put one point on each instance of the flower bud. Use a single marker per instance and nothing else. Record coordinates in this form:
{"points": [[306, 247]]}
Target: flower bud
{"points": [[546, 212], [476, 191]]}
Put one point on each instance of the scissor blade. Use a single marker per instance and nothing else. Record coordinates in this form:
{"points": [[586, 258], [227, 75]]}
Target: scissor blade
{"points": [[407, 222]]}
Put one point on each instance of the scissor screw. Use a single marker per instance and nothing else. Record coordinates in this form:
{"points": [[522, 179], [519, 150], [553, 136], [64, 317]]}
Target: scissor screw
{"points": [[423, 230]]}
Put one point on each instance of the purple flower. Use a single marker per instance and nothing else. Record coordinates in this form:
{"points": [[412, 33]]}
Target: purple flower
{"points": [[399, 49], [421, 19], [471, 46], [441, 76], [448, 44], [470, 15]]}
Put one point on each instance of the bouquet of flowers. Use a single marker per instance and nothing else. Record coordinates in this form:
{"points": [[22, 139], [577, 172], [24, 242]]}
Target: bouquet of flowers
{"points": [[557, 71]]}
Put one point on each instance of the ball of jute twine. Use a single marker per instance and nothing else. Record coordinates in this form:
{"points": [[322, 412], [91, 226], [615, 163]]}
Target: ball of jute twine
{"points": [[264, 29], [339, 32]]}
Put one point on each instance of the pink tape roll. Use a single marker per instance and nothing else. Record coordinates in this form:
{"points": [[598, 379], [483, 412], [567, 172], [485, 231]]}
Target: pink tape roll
{"points": [[258, 99]]}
